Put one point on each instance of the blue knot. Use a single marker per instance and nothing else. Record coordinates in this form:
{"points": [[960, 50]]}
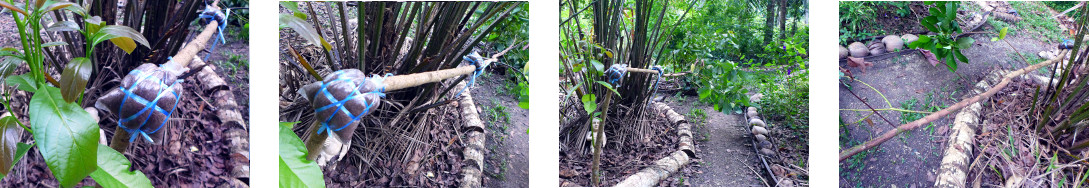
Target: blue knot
{"points": [[475, 60]]}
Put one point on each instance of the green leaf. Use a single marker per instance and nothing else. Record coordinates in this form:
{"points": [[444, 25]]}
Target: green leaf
{"points": [[7, 5], [93, 24], [67, 25], [609, 86], [599, 68], [960, 56], [950, 62], [77, 9], [121, 36], [965, 42], [66, 135], [305, 30], [74, 78], [290, 5], [295, 170], [113, 170], [55, 5], [923, 39], [1002, 33], [589, 103], [10, 132], [8, 65], [24, 82]]}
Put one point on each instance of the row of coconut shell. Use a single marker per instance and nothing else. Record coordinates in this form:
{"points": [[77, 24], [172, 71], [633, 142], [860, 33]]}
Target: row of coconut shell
{"points": [[759, 129], [661, 169], [890, 43]]}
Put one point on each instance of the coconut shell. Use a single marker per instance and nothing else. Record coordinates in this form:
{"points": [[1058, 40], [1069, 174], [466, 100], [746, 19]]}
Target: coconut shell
{"points": [[764, 144], [767, 152], [340, 85], [751, 109], [751, 114], [149, 80], [757, 122], [760, 138], [759, 130], [893, 43], [876, 48], [857, 49], [843, 52], [909, 38]]}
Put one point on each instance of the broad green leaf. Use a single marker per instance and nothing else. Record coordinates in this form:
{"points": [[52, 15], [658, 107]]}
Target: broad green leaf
{"points": [[960, 56], [290, 5], [67, 25], [523, 102], [7, 5], [949, 60], [8, 65], [609, 86], [598, 66], [23, 82], [66, 135], [93, 24], [77, 9], [589, 103], [10, 132], [923, 39], [1002, 33], [300, 15], [930, 23], [122, 36], [74, 78], [58, 5], [295, 170], [965, 42], [305, 30], [54, 43], [113, 170]]}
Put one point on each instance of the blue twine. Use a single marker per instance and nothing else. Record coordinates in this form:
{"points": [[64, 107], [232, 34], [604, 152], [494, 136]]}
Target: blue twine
{"points": [[656, 81], [339, 104], [207, 15], [479, 69], [134, 131]]}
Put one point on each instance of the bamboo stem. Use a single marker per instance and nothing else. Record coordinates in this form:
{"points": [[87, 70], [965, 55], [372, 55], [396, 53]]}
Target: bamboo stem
{"points": [[120, 140], [598, 137], [314, 141], [412, 80], [932, 117]]}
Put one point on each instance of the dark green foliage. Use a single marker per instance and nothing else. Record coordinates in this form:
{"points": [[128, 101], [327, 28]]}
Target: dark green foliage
{"points": [[947, 43]]}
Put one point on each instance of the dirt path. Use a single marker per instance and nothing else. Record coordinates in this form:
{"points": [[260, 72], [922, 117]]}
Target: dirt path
{"points": [[507, 143], [910, 80], [724, 147]]}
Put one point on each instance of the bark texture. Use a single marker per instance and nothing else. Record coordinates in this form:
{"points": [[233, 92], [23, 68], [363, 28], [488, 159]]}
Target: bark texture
{"points": [[661, 169]]}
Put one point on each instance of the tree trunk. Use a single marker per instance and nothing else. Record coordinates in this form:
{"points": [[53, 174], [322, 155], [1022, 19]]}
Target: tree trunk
{"points": [[769, 21], [782, 18]]}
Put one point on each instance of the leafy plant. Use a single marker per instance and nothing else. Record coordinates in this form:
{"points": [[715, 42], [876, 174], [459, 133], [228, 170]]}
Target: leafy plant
{"points": [[66, 135], [295, 170], [947, 43]]}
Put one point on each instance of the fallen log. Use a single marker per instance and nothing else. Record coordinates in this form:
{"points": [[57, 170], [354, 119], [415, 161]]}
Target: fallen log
{"points": [[473, 153], [845, 154], [226, 113], [651, 175], [954, 166]]}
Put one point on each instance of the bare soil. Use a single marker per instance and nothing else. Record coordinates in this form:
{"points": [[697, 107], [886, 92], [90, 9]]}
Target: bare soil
{"points": [[727, 158], [506, 162], [908, 77]]}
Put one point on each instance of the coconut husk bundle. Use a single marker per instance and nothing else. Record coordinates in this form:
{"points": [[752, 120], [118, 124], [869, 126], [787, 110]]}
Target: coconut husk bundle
{"points": [[144, 102]]}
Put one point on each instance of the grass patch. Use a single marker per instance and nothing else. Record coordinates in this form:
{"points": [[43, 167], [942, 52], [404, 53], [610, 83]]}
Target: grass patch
{"points": [[1036, 19]]}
